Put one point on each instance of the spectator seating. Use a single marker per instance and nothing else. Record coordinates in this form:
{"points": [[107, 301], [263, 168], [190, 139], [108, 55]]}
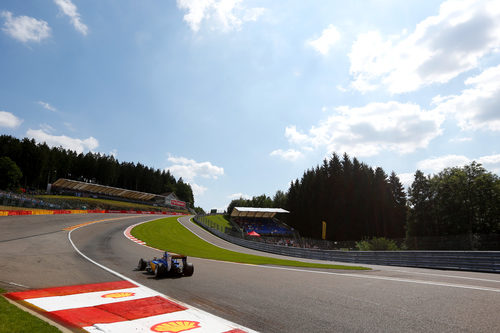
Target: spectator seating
{"points": [[262, 226]]}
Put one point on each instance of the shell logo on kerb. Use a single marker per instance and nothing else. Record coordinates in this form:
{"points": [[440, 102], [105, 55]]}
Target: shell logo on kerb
{"points": [[118, 295], [175, 326]]}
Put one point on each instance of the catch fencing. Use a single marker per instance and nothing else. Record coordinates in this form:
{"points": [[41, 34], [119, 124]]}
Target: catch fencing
{"points": [[480, 261]]}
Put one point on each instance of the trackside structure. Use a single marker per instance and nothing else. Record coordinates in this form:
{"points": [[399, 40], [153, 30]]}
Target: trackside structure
{"points": [[260, 221], [79, 188]]}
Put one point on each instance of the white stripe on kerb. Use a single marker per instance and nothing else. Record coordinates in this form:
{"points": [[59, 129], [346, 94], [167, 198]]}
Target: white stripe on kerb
{"points": [[56, 303], [198, 313]]}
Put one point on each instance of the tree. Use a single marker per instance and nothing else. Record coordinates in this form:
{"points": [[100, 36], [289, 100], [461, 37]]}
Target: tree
{"points": [[398, 205], [279, 199], [457, 201], [41, 165], [10, 174], [421, 217], [356, 201]]}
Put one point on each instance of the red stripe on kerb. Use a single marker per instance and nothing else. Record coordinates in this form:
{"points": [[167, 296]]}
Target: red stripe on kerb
{"points": [[70, 290], [140, 308], [236, 330], [81, 317], [116, 312]]}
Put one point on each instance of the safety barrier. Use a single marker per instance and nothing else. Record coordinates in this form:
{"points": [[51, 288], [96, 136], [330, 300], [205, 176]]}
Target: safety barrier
{"points": [[480, 261], [57, 212]]}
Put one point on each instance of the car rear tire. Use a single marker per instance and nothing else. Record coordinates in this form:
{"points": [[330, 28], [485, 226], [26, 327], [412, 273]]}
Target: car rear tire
{"points": [[188, 270], [159, 270], [141, 265]]}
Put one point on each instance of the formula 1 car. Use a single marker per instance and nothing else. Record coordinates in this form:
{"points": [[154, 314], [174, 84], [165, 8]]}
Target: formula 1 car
{"points": [[171, 264]]}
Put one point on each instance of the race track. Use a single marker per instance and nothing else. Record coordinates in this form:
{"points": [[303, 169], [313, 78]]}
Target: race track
{"points": [[35, 252]]}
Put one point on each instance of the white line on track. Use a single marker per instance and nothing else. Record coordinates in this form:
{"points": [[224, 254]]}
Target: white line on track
{"points": [[19, 285], [201, 313], [443, 275], [98, 264], [373, 277], [432, 283]]}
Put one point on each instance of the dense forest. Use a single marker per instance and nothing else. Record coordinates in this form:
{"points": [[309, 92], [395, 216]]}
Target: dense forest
{"points": [[354, 200], [40, 164], [458, 208], [459, 201]]}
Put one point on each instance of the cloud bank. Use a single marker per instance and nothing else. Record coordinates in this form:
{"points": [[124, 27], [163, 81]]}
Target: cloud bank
{"points": [[78, 145], [24, 28], [439, 49], [224, 15]]}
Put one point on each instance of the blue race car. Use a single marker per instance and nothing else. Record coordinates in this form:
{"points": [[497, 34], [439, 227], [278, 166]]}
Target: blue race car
{"points": [[171, 264]]}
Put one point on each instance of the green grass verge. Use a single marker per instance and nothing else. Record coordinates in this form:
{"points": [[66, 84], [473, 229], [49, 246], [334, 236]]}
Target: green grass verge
{"points": [[101, 203], [220, 221], [15, 320], [169, 235]]}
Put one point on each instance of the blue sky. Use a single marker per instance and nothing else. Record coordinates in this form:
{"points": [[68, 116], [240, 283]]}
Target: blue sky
{"points": [[240, 97]]}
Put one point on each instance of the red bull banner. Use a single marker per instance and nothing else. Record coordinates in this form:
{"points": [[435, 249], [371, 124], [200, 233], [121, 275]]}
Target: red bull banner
{"points": [[178, 203]]}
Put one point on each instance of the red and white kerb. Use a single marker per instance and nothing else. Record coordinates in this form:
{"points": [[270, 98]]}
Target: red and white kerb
{"points": [[122, 307]]}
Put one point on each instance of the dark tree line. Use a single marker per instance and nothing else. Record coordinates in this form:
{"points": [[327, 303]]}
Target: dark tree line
{"points": [[355, 200], [41, 164], [456, 209], [457, 201]]}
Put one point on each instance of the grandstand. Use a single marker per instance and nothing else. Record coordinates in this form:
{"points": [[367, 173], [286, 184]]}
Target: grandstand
{"points": [[260, 221], [82, 189]]}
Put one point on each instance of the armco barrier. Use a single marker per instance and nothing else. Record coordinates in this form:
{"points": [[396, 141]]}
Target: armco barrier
{"points": [[57, 212], [480, 261]]}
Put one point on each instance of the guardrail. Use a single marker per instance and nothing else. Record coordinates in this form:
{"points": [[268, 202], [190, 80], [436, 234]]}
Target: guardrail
{"points": [[480, 261], [79, 211]]}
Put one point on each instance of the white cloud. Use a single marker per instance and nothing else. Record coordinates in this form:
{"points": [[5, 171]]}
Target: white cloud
{"points": [[368, 130], [289, 155], [491, 162], [25, 28], [47, 106], [464, 139], [189, 169], [224, 15], [114, 153], [437, 164], [69, 9], [46, 128], [477, 107], [235, 196], [406, 179], [341, 88], [8, 120], [66, 142], [328, 38], [198, 189], [439, 49]]}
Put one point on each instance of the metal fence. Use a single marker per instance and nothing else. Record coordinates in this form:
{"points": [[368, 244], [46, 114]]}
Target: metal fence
{"points": [[481, 261]]}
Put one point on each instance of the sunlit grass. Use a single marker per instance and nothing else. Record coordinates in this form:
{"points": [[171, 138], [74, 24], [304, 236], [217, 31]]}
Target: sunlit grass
{"points": [[169, 235], [15, 320], [218, 221], [101, 202]]}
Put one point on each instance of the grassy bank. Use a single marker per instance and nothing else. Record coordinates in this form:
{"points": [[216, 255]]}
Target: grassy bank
{"points": [[169, 235], [93, 203], [15, 320], [219, 221]]}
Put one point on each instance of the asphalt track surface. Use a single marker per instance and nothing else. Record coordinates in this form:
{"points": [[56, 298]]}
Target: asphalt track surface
{"points": [[35, 252]]}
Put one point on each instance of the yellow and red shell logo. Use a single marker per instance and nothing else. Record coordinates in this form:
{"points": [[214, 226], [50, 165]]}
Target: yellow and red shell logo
{"points": [[175, 326], [118, 295]]}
